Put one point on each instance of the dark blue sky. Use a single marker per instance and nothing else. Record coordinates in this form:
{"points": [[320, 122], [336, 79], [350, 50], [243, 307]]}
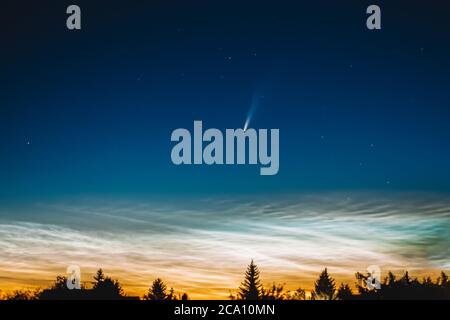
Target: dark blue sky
{"points": [[357, 109]]}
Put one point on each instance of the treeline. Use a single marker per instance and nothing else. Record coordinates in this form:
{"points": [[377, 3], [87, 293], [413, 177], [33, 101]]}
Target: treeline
{"points": [[325, 288], [102, 288]]}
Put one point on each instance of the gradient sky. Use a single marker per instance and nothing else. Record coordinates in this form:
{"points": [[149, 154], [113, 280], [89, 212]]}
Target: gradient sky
{"points": [[356, 109], [88, 115], [203, 246]]}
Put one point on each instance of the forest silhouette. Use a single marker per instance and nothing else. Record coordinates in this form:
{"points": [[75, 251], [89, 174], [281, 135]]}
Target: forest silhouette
{"points": [[325, 288]]}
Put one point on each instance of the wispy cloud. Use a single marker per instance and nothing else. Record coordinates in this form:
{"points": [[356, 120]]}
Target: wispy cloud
{"points": [[203, 246]]}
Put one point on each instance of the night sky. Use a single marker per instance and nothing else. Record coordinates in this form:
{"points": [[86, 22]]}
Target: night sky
{"points": [[86, 116], [91, 111]]}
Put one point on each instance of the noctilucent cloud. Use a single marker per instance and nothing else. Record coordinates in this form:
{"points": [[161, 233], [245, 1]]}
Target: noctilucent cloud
{"points": [[86, 117]]}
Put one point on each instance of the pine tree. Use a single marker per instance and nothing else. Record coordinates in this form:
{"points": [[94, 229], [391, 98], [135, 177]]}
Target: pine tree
{"points": [[105, 287], [406, 279], [390, 280], [250, 289], [184, 297], [60, 283], [443, 279], [158, 291], [324, 287], [171, 296], [99, 278], [344, 292]]}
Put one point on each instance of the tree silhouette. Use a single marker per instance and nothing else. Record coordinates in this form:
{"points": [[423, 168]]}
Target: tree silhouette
{"points": [[298, 294], [405, 288], [22, 295], [393, 287], [106, 288], [344, 292], [443, 280], [324, 287], [364, 291], [158, 291], [58, 290], [99, 276], [444, 284], [274, 292], [184, 297], [171, 295], [250, 289]]}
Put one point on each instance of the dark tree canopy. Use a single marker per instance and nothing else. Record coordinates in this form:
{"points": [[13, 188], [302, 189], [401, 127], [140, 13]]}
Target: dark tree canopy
{"points": [[393, 287], [105, 287], [324, 287], [158, 291], [274, 292], [251, 288], [344, 292]]}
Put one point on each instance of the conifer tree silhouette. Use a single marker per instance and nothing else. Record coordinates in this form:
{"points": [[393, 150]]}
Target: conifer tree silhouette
{"points": [[158, 291], [344, 292], [106, 288], [392, 288], [184, 297], [58, 290], [250, 289], [443, 280], [443, 284], [324, 287], [171, 295], [99, 277]]}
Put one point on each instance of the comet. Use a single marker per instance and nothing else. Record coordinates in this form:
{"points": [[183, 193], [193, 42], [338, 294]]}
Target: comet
{"points": [[254, 105]]}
